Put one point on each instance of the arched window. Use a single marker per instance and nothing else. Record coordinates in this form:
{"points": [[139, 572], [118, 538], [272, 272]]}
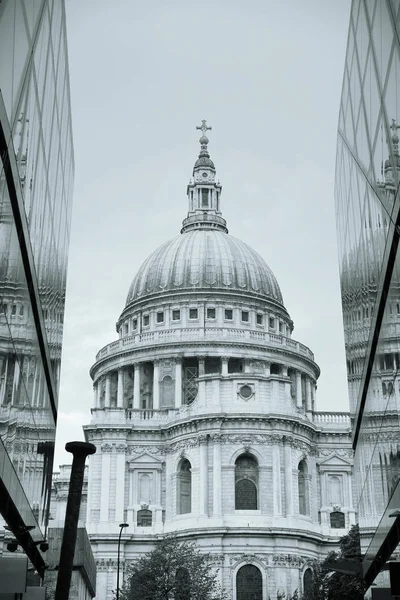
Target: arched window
{"points": [[249, 583], [337, 519], [307, 583], [184, 487], [304, 505], [144, 518], [246, 483]]}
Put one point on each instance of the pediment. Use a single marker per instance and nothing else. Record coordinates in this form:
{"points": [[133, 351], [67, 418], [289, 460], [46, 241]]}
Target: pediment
{"points": [[335, 461], [145, 459]]}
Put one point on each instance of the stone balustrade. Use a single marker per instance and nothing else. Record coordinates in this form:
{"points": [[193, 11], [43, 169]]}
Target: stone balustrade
{"points": [[332, 419], [212, 334]]}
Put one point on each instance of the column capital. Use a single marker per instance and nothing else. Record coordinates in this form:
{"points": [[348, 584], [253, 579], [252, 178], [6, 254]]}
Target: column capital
{"points": [[287, 440], [216, 438], [225, 358], [202, 438]]}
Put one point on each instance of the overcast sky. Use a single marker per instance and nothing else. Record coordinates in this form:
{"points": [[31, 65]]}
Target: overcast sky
{"points": [[267, 77]]}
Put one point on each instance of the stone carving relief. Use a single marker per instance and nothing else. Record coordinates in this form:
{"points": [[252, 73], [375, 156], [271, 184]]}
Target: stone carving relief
{"points": [[288, 560], [343, 452], [235, 559], [106, 448], [155, 450], [107, 565]]}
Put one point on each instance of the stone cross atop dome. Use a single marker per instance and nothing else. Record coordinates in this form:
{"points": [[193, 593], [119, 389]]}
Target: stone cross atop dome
{"points": [[204, 192]]}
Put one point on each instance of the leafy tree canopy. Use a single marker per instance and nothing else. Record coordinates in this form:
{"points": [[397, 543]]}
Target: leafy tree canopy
{"points": [[333, 585], [175, 570]]}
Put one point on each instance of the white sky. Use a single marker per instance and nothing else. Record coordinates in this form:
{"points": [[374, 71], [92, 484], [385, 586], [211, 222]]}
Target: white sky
{"points": [[267, 77]]}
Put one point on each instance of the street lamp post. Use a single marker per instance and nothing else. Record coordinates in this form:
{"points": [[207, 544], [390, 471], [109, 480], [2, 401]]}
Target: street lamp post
{"points": [[121, 527]]}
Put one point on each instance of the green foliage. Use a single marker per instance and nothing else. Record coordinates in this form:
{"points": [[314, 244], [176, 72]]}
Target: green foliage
{"points": [[333, 585], [173, 569]]}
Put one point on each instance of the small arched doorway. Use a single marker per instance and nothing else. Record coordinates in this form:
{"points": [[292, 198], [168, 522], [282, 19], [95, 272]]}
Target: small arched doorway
{"points": [[249, 583]]}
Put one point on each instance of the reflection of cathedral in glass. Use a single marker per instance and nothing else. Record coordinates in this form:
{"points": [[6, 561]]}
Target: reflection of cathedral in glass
{"points": [[367, 217], [35, 206], [205, 416]]}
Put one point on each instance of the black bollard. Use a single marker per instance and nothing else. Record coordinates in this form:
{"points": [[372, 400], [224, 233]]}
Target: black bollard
{"points": [[79, 450]]}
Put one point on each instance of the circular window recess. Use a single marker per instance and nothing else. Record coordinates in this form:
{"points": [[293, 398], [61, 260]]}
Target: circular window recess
{"points": [[246, 392]]}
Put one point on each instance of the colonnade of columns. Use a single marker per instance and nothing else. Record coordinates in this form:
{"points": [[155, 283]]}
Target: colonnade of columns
{"points": [[302, 383]]}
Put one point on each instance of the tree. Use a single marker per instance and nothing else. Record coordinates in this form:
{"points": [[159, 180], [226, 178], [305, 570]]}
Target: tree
{"points": [[333, 585], [175, 570]]}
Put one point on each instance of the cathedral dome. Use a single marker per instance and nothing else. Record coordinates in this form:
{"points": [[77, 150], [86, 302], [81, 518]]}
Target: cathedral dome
{"points": [[203, 260]]}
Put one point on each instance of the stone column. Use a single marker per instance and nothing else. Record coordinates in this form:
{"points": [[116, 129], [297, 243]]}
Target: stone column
{"points": [[120, 487], [308, 395], [136, 386], [120, 391], [267, 369], [299, 398], [288, 477], [178, 383], [99, 382], [203, 476], [108, 390], [105, 482], [217, 475], [276, 480], [224, 365], [350, 490], [201, 365], [201, 383], [95, 396], [156, 384]]}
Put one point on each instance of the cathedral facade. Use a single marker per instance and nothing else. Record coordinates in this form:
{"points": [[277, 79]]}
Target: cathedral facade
{"points": [[205, 417]]}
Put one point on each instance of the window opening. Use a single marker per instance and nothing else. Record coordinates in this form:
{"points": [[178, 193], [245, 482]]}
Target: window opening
{"points": [[184, 481], [144, 518], [204, 197], [337, 519], [246, 482], [249, 583]]}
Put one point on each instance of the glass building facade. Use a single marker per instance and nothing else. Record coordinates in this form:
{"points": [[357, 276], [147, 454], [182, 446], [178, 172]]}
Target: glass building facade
{"points": [[368, 227], [36, 179]]}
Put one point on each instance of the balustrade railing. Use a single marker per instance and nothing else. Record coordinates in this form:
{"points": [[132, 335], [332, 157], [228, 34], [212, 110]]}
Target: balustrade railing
{"points": [[203, 333], [330, 418]]}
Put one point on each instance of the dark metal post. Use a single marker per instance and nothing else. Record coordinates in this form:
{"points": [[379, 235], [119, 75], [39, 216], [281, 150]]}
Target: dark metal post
{"points": [[122, 527], [79, 450]]}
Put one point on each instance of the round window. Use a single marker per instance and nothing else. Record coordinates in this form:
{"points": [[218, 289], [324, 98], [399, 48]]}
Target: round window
{"points": [[246, 391]]}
